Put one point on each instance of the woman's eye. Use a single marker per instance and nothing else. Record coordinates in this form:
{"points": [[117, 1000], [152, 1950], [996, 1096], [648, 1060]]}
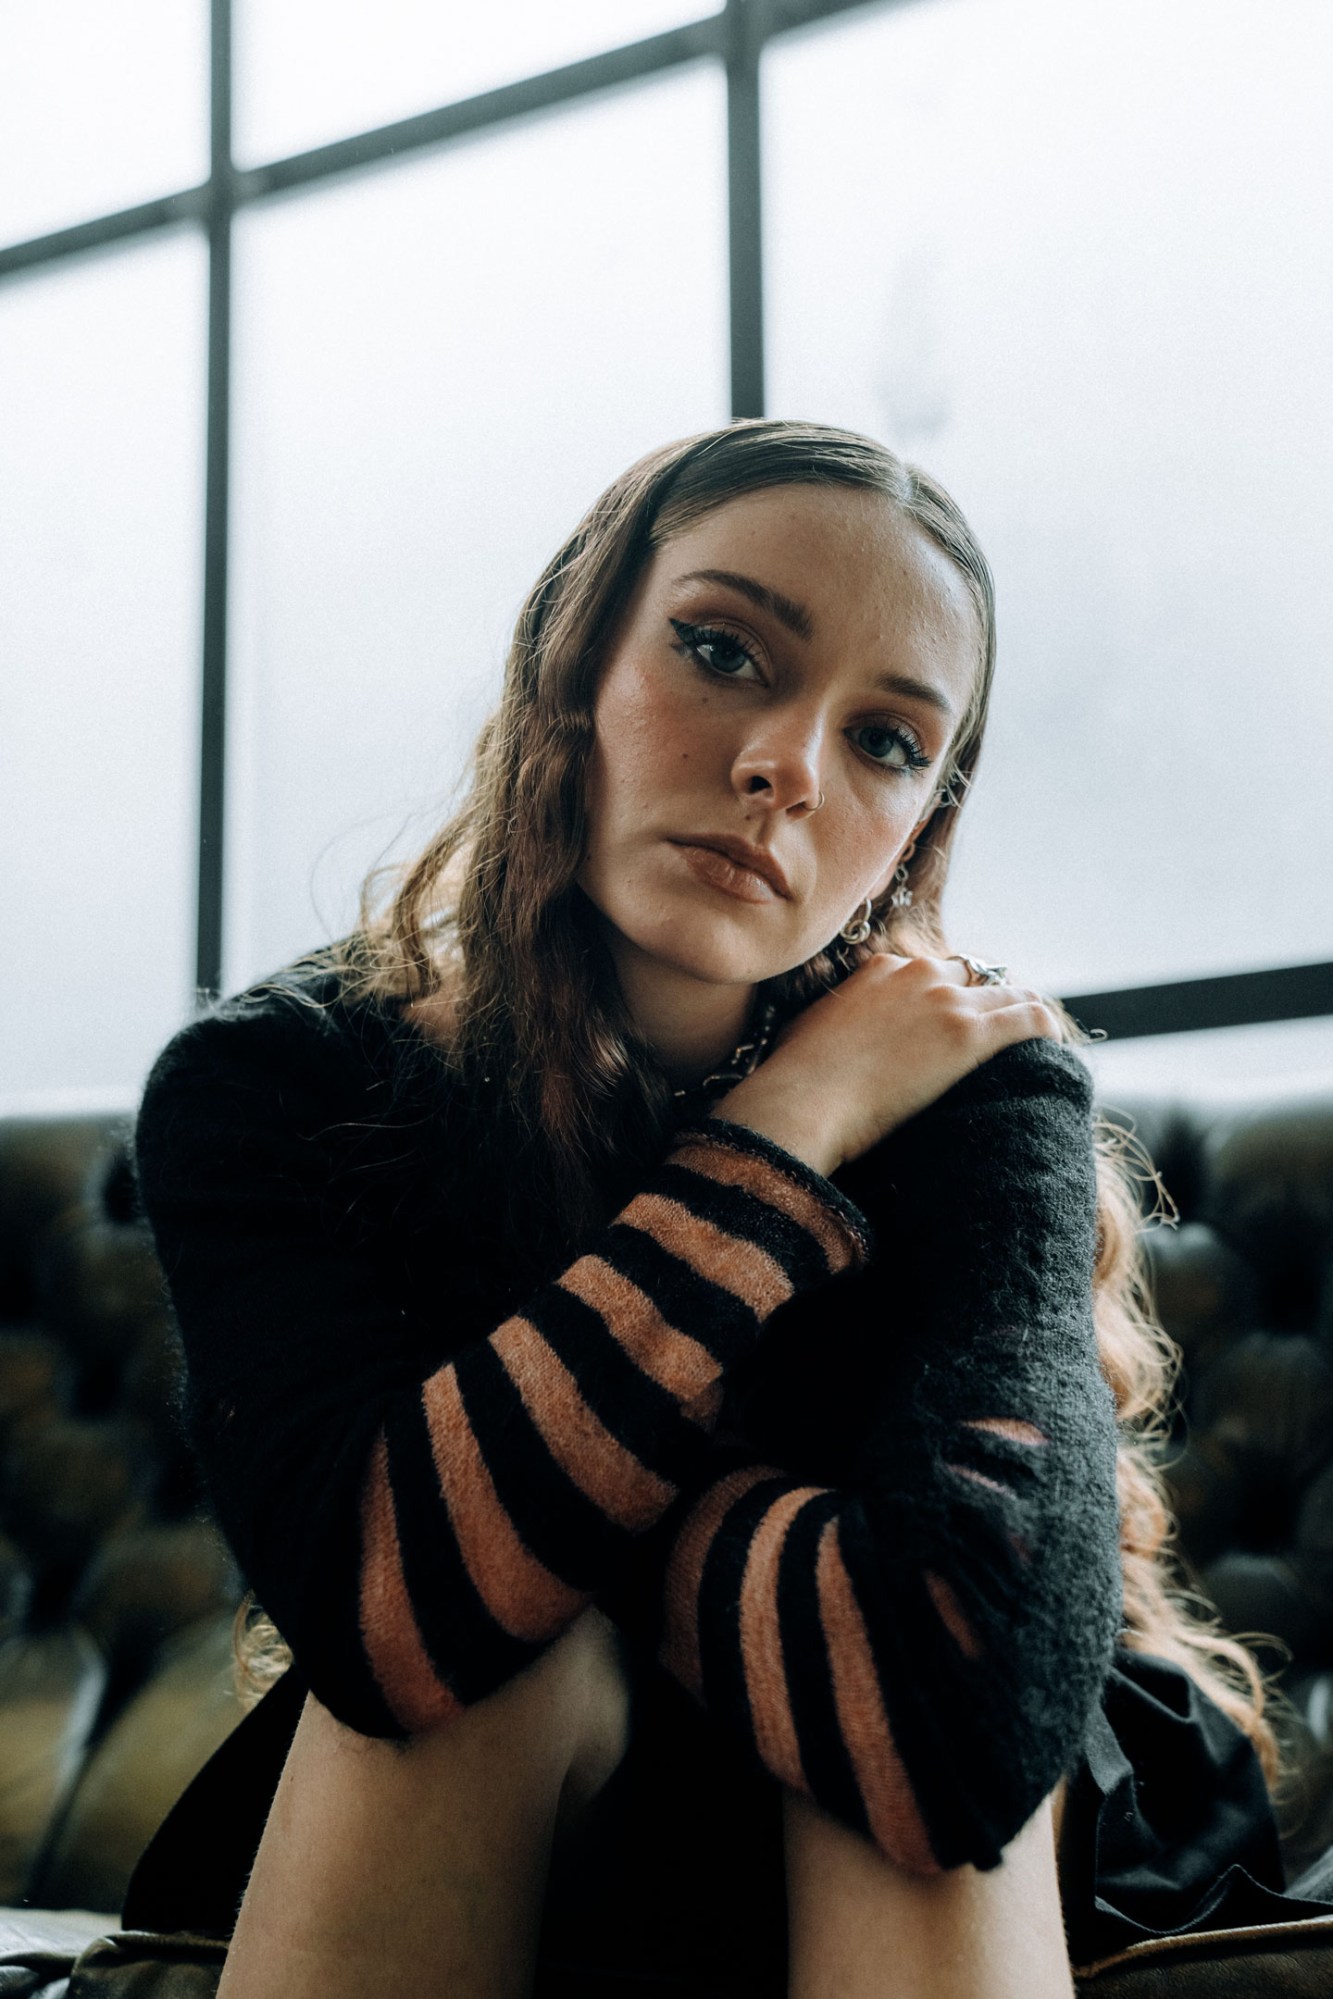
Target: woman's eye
{"points": [[715, 650], [889, 746]]}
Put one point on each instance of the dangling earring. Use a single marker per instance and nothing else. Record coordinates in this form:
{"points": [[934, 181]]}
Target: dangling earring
{"points": [[902, 893], [857, 928]]}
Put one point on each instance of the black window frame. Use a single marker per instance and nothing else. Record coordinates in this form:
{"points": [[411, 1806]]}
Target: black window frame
{"points": [[736, 36]]}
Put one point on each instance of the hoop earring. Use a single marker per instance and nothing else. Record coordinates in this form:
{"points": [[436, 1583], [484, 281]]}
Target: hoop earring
{"points": [[902, 891], [857, 928]]}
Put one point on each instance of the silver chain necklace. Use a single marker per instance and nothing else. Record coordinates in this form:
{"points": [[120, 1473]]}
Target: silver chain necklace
{"points": [[743, 1060]]}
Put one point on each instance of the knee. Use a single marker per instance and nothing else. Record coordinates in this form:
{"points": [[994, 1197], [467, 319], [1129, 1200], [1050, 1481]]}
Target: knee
{"points": [[567, 1710], [594, 1702], [561, 1725]]}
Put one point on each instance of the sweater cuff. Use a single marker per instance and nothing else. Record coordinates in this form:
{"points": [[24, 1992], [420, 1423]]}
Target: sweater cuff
{"points": [[805, 1196]]}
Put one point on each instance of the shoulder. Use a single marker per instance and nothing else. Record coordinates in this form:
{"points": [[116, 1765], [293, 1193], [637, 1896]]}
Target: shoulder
{"points": [[292, 1024], [1037, 1086], [291, 1051], [1019, 1124], [1027, 1070]]}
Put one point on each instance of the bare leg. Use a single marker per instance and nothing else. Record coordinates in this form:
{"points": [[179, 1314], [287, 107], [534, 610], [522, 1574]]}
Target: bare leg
{"points": [[861, 1928], [390, 1870]]}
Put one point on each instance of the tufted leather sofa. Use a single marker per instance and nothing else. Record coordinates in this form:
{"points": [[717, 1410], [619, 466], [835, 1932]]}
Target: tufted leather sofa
{"points": [[117, 1597], [1244, 1283]]}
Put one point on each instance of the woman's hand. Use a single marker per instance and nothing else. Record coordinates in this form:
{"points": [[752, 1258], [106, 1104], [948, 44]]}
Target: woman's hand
{"points": [[867, 1056]]}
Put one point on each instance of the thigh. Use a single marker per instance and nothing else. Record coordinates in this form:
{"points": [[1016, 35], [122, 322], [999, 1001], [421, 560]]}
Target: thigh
{"points": [[390, 1868]]}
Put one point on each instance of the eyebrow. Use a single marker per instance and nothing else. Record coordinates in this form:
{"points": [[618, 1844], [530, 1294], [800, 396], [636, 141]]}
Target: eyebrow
{"points": [[785, 609], [797, 619], [916, 690]]}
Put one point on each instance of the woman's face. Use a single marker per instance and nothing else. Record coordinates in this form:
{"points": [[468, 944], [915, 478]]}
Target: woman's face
{"points": [[796, 644]]}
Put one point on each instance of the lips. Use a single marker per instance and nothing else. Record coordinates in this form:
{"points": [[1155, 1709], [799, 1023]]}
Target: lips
{"points": [[745, 859]]}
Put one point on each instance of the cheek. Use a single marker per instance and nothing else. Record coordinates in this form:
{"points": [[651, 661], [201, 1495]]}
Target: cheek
{"points": [[645, 735], [859, 858]]}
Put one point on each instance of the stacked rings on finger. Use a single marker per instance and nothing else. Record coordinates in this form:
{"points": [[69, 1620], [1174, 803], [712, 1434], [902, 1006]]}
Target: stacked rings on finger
{"points": [[979, 974]]}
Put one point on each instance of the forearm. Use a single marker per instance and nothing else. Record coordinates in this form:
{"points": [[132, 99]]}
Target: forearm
{"points": [[792, 1114], [419, 1537], [915, 1637]]}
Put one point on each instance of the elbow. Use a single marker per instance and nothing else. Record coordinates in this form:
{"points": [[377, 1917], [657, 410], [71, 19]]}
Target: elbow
{"points": [[1022, 1689], [377, 1680], [1029, 1726], [409, 1688]]}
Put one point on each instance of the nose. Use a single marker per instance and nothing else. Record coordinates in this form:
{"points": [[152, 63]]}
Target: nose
{"points": [[778, 767]]}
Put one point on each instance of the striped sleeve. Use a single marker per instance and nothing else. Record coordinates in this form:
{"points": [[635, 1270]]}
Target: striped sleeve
{"points": [[916, 1637], [782, 1617], [510, 1488]]}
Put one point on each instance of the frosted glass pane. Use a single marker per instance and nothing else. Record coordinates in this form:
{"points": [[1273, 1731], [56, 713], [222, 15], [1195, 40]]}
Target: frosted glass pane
{"points": [[313, 70], [1283, 1059], [1079, 262], [100, 107], [101, 398], [438, 369]]}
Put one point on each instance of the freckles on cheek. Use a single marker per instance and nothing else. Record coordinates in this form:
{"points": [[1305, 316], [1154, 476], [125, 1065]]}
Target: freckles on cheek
{"points": [[863, 854]]}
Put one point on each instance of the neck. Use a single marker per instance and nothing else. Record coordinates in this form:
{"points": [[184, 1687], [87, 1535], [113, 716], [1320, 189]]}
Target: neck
{"points": [[691, 1024]]}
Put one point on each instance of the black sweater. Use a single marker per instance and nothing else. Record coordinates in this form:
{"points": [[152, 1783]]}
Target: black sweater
{"points": [[860, 1500]]}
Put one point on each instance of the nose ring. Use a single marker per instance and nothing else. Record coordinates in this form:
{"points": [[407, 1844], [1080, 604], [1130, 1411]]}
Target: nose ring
{"points": [[820, 806]]}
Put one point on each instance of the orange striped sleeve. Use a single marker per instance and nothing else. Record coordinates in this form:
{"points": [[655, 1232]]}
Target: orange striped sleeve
{"points": [[890, 1803], [799, 1203], [406, 1677], [742, 1268], [523, 1597], [675, 1361], [761, 1642], [684, 1575], [598, 1463], [531, 1461]]}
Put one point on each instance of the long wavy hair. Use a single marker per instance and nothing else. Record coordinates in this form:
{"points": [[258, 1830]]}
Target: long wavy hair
{"points": [[489, 919]]}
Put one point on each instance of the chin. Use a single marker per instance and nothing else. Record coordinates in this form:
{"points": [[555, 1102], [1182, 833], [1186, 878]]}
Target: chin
{"points": [[693, 938], [707, 953]]}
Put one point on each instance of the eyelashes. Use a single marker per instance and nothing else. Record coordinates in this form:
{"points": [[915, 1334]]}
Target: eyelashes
{"points": [[709, 646], [719, 654], [904, 752]]}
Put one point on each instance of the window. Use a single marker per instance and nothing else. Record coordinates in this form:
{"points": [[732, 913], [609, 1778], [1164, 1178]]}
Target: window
{"points": [[429, 322]]}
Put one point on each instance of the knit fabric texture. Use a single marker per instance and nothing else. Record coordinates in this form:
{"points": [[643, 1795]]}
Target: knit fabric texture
{"points": [[914, 1616], [893, 1572]]}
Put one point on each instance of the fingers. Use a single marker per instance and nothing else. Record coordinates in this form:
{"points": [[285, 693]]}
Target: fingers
{"points": [[957, 970], [990, 995], [1024, 1016], [1013, 1012], [951, 970]]}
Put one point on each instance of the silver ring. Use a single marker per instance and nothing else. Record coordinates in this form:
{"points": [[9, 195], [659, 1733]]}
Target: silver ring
{"points": [[979, 974]]}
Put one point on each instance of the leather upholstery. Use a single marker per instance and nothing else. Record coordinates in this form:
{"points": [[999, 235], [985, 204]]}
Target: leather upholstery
{"points": [[116, 1597], [1244, 1284]]}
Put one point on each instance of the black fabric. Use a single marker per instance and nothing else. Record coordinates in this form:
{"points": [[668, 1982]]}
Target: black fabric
{"points": [[313, 1185], [977, 1306], [1168, 1824], [315, 1203], [193, 1872]]}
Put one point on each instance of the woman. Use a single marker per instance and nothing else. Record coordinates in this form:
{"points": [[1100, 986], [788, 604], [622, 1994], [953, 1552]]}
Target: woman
{"points": [[686, 1556]]}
